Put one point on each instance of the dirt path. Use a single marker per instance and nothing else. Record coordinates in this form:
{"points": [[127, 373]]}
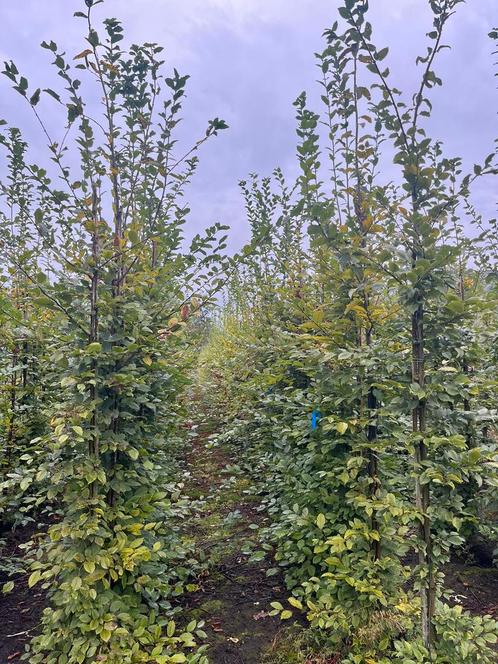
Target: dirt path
{"points": [[235, 593]]}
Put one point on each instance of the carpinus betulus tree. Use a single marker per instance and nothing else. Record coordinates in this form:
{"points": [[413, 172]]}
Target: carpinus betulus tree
{"points": [[108, 211], [426, 274], [359, 525], [24, 384]]}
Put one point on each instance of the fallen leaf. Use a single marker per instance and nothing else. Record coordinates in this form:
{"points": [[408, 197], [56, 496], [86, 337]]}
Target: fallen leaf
{"points": [[216, 625], [260, 615]]}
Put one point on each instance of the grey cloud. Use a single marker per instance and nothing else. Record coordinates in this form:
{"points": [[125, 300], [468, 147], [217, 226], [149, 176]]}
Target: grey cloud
{"points": [[249, 59]]}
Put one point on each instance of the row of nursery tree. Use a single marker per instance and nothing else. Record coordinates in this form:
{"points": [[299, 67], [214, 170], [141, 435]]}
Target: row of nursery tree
{"points": [[354, 362], [97, 286]]}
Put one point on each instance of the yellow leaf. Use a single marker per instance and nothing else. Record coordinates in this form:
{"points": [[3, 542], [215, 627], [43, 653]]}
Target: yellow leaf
{"points": [[105, 635], [320, 521], [34, 578], [89, 566], [341, 427], [295, 603], [76, 583]]}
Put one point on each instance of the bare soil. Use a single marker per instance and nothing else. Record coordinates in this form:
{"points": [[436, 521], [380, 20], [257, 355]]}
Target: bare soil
{"points": [[21, 609], [475, 588]]}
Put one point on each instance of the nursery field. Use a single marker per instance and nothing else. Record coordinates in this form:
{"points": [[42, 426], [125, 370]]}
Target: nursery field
{"points": [[284, 455]]}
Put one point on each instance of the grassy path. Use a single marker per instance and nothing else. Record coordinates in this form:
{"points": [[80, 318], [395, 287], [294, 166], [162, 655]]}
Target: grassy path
{"points": [[234, 594]]}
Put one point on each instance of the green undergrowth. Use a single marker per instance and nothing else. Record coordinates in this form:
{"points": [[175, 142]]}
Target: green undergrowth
{"points": [[297, 645]]}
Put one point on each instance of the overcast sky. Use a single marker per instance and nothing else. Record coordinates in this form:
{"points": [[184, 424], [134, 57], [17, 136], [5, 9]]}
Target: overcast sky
{"points": [[248, 61]]}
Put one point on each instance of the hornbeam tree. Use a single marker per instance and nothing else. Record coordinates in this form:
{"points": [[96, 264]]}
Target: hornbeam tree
{"points": [[108, 261]]}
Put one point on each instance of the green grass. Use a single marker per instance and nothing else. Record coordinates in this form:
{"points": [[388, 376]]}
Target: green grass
{"points": [[300, 645]]}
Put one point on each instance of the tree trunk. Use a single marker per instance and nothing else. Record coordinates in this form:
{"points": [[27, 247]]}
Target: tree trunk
{"points": [[422, 491], [94, 445]]}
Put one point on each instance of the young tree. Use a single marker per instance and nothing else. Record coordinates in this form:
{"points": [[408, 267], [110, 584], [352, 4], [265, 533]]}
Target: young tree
{"points": [[106, 216]]}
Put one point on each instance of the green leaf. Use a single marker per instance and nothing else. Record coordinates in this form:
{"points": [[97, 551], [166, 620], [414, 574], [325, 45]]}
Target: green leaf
{"points": [[51, 47], [34, 578], [35, 97], [52, 93], [474, 455], [94, 348], [320, 521], [7, 587], [93, 38], [277, 606], [257, 556]]}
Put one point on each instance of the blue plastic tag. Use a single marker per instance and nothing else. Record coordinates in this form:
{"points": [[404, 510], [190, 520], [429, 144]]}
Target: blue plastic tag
{"points": [[315, 418]]}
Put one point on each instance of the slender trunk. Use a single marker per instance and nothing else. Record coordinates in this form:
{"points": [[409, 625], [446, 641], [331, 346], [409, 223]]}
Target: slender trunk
{"points": [[13, 404], [24, 360], [154, 254], [373, 461], [25, 346], [117, 284], [94, 443], [365, 335], [466, 369], [422, 491], [118, 249]]}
